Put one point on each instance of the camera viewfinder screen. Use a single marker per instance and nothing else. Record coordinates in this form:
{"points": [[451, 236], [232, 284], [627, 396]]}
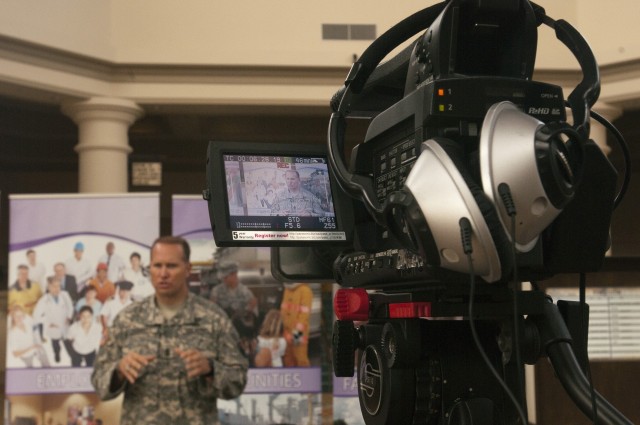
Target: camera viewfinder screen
{"points": [[280, 198]]}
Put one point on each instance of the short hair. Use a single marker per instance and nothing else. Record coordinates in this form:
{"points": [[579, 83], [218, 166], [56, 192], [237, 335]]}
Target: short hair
{"points": [[175, 240], [125, 285], [135, 254], [30, 251], [23, 266], [85, 308]]}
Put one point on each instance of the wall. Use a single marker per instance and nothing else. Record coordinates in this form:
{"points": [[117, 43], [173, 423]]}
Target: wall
{"points": [[611, 29], [83, 27], [279, 32]]}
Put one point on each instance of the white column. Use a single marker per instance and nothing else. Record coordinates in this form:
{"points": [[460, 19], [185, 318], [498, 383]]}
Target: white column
{"points": [[103, 142]]}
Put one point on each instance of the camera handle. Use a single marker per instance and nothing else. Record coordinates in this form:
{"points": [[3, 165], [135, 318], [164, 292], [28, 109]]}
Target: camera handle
{"points": [[361, 187], [555, 341]]}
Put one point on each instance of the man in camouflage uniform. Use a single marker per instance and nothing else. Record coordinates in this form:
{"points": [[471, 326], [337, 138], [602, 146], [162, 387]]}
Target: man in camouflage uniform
{"points": [[173, 353], [230, 294], [296, 200]]}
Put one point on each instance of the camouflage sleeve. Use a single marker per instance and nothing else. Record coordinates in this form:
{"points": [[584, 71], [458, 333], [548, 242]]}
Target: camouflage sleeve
{"points": [[229, 364], [104, 377]]}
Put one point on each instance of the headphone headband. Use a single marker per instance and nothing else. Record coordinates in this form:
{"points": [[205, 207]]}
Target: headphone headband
{"points": [[361, 187]]}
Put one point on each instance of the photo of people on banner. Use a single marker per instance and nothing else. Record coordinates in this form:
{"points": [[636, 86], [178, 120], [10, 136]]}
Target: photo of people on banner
{"points": [[279, 323], [61, 301], [75, 260], [279, 328], [276, 321]]}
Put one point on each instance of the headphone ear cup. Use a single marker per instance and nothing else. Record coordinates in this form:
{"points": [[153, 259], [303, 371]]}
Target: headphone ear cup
{"points": [[486, 206], [539, 163], [444, 192], [559, 156]]}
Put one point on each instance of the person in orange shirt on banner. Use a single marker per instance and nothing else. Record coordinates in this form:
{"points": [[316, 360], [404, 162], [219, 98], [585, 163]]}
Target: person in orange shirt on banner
{"points": [[295, 310], [105, 288]]}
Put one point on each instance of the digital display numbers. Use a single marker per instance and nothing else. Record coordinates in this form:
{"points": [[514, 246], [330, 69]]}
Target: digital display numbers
{"points": [[274, 159]]}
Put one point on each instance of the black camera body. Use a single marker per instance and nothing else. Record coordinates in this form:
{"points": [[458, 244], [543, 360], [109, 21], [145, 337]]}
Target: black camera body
{"points": [[469, 181], [468, 158], [472, 57], [414, 370], [454, 108]]}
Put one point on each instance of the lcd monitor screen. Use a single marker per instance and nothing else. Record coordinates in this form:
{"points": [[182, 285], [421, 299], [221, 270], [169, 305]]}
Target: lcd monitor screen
{"points": [[282, 197]]}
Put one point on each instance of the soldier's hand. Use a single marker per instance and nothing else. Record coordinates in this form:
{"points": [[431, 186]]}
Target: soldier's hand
{"points": [[131, 365], [195, 362]]}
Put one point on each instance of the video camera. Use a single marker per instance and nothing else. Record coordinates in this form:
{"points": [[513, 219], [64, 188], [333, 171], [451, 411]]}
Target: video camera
{"points": [[470, 180]]}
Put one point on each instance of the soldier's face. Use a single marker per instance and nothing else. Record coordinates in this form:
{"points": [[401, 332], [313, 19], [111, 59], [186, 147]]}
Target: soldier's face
{"points": [[169, 271], [293, 182], [231, 280]]}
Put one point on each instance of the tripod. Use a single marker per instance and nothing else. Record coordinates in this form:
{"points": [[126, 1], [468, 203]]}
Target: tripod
{"points": [[443, 372]]}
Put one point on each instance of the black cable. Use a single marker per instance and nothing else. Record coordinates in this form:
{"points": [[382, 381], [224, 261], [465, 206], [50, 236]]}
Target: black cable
{"points": [[516, 312], [584, 327], [625, 154], [507, 200], [466, 232]]}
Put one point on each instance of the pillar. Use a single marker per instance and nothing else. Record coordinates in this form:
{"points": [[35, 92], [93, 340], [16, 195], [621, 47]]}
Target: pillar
{"points": [[103, 142]]}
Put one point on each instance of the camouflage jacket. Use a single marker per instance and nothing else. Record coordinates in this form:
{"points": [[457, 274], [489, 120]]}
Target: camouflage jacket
{"points": [[301, 203], [162, 394]]}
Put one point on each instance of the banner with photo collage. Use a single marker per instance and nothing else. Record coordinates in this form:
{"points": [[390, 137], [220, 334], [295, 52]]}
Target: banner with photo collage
{"points": [[279, 324], [60, 245], [346, 403]]}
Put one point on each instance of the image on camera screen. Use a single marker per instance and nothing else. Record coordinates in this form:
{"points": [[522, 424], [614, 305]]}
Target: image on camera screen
{"points": [[279, 193]]}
